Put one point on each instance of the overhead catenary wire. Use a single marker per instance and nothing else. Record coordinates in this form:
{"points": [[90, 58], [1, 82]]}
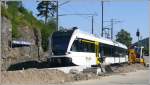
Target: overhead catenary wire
{"points": [[82, 15]]}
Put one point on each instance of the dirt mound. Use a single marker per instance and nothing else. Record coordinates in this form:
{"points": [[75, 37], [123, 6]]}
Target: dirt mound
{"points": [[30, 76], [124, 68], [43, 76]]}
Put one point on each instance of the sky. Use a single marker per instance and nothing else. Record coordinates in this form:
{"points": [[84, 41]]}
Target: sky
{"points": [[132, 14]]}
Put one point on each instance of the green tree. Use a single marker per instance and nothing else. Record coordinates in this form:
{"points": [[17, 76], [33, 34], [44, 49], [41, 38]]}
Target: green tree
{"points": [[46, 33], [124, 37], [47, 9]]}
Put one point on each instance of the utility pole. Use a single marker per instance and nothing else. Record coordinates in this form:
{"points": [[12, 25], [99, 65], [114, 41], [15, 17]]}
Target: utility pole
{"points": [[138, 35], [102, 6], [112, 26], [102, 2], [92, 24], [112, 22], [57, 16]]}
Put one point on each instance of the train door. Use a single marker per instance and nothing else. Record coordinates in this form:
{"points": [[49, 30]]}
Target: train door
{"points": [[97, 48], [97, 53]]}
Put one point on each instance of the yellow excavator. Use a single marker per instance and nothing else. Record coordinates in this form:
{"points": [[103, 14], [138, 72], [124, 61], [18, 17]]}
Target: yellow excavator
{"points": [[136, 55]]}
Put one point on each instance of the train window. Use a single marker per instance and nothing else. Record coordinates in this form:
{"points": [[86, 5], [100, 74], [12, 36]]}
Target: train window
{"points": [[111, 51], [60, 41], [119, 52], [74, 46], [101, 50], [92, 47], [79, 46], [115, 52], [122, 52], [105, 50]]}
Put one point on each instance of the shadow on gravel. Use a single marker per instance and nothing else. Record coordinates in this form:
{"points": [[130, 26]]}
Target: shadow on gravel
{"points": [[47, 64], [113, 67], [35, 64], [27, 65], [108, 69], [117, 65]]}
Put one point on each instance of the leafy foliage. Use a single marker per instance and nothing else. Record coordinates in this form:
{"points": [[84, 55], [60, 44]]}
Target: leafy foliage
{"points": [[46, 9], [13, 11], [124, 37]]}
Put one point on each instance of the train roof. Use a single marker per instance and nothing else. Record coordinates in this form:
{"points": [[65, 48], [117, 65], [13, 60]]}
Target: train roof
{"points": [[84, 35]]}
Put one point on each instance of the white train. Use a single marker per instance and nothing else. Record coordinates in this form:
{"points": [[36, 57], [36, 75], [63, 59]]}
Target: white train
{"points": [[74, 47]]}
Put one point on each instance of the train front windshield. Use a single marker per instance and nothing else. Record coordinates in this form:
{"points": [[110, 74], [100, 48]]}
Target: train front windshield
{"points": [[60, 41]]}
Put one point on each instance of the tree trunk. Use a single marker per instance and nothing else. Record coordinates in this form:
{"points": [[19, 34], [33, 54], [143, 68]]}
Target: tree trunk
{"points": [[46, 13]]}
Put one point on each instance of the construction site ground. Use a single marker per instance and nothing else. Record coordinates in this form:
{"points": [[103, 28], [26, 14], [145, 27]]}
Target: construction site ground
{"points": [[138, 77], [51, 76]]}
